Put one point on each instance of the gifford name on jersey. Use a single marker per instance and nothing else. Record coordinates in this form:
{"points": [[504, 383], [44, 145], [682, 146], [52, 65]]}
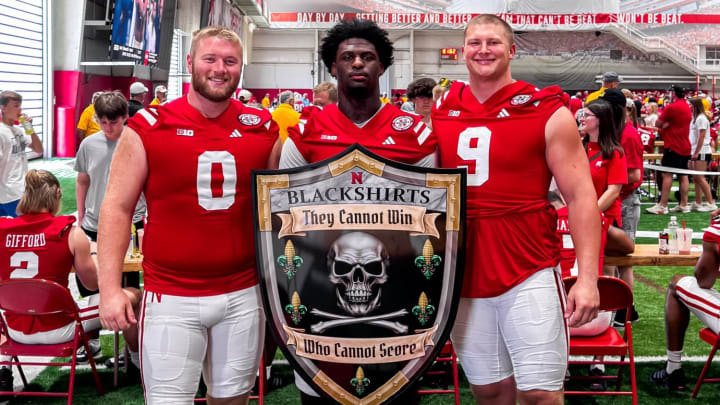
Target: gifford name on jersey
{"points": [[25, 241]]}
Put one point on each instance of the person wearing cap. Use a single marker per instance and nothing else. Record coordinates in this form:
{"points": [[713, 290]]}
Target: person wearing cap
{"points": [[244, 96], [137, 97], [674, 128], [160, 95], [610, 80]]}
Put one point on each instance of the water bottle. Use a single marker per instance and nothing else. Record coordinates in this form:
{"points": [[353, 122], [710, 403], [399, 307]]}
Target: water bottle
{"points": [[673, 233]]}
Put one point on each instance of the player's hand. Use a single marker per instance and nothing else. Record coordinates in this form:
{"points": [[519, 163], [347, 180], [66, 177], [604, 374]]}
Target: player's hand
{"points": [[582, 302], [116, 311]]}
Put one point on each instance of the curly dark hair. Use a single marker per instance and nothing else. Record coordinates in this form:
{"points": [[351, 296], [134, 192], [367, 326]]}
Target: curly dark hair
{"points": [[421, 88], [364, 29]]}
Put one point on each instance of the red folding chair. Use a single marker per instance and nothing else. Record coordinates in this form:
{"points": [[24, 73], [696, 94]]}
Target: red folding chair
{"points": [[614, 295], [714, 340], [446, 355], [42, 297], [260, 395]]}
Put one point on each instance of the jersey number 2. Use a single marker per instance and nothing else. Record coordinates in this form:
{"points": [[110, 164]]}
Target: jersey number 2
{"points": [[204, 180], [474, 145], [17, 259]]}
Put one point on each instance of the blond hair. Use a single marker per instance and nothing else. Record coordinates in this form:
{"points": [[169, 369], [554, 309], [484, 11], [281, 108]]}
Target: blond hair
{"points": [[491, 19], [214, 31], [41, 193], [330, 88]]}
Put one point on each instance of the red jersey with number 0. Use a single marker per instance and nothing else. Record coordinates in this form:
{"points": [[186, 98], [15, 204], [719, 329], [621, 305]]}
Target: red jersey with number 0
{"points": [[199, 237], [391, 133], [511, 225], [36, 246]]}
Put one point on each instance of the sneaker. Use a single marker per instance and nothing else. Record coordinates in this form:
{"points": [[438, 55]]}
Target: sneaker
{"points": [[619, 319], [110, 362], [709, 207], [6, 383], [674, 381], [657, 209], [599, 385], [680, 208], [94, 344], [697, 207]]}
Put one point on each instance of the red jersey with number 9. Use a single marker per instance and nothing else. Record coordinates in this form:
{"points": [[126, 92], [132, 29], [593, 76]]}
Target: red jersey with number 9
{"points": [[199, 238], [36, 246], [511, 225]]}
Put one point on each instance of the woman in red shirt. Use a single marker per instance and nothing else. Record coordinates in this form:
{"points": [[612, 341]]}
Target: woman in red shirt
{"points": [[607, 160]]}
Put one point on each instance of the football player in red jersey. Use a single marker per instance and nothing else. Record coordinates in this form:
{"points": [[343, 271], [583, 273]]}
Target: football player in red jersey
{"points": [[40, 245], [357, 52], [511, 327], [192, 158]]}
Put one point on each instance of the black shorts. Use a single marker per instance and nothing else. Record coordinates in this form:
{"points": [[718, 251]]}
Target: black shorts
{"points": [[674, 160], [707, 157]]}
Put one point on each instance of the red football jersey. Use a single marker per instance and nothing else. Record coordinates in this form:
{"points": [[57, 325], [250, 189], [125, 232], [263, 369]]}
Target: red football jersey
{"points": [[391, 133], [511, 225], [36, 246], [199, 237], [605, 172], [568, 259], [647, 137]]}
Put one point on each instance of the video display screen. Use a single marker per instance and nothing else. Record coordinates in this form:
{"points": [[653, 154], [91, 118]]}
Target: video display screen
{"points": [[136, 30]]}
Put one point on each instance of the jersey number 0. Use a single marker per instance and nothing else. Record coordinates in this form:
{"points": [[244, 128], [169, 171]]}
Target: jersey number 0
{"points": [[479, 153], [204, 180]]}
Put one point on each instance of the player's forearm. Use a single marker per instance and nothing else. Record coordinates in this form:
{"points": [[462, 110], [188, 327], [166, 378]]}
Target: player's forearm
{"points": [[81, 189], [113, 238], [585, 232], [35, 144], [609, 196]]}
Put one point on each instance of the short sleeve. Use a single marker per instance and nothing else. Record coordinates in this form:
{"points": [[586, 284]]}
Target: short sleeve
{"points": [[617, 169], [83, 121], [702, 122], [81, 158]]}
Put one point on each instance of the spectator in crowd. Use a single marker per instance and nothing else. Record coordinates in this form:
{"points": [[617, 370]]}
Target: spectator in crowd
{"points": [[607, 160], [305, 100], [610, 80], [266, 101], [576, 103], [87, 125], [64, 247], [244, 96], [93, 165], [352, 49], [701, 155], [160, 95], [203, 303], [691, 294], [384, 98], [14, 141], [325, 93], [674, 127], [138, 91], [652, 114], [419, 92], [285, 115], [438, 91]]}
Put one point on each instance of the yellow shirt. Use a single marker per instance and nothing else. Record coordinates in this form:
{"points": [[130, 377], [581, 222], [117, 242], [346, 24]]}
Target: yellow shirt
{"points": [[87, 121], [384, 100], [705, 103], [286, 117], [155, 101], [265, 102], [594, 95]]}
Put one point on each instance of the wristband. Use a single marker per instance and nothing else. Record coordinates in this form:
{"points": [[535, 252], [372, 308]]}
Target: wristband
{"points": [[93, 253]]}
